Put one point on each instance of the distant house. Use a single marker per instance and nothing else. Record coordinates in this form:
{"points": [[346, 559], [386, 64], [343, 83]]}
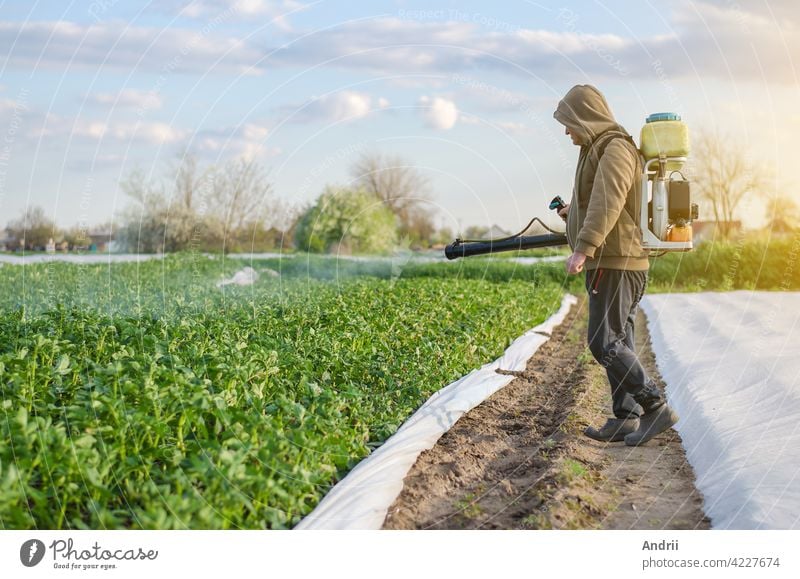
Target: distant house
{"points": [[101, 240], [8, 242], [539, 229], [496, 232], [536, 229]]}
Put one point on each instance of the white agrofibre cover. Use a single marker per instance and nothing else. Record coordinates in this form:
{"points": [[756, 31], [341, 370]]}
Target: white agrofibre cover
{"points": [[362, 499], [731, 363]]}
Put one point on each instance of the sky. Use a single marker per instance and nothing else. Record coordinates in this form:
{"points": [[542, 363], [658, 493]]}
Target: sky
{"points": [[464, 91]]}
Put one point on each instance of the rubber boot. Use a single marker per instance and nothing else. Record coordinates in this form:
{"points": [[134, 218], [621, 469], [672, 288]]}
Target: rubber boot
{"points": [[651, 424], [613, 430]]}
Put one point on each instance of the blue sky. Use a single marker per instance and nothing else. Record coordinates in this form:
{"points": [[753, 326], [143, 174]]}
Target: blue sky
{"points": [[91, 91]]}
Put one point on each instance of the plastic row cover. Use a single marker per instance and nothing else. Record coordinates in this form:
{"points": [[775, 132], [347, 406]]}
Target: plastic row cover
{"points": [[731, 362], [362, 499]]}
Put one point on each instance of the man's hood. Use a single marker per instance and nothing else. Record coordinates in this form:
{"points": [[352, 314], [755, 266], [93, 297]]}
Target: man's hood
{"points": [[585, 112]]}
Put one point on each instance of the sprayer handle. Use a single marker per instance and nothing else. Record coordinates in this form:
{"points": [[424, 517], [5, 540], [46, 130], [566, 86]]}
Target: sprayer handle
{"points": [[557, 203]]}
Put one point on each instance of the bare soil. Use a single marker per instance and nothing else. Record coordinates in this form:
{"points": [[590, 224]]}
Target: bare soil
{"points": [[520, 460]]}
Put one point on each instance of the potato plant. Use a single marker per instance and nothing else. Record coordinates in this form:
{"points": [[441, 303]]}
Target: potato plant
{"points": [[142, 396]]}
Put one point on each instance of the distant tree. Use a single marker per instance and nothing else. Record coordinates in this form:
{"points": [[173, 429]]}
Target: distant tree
{"points": [[188, 180], [347, 221], [420, 228], [215, 208], [242, 208], [76, 236], [401, 186], [154, 224], [724, 175], [475, 232], [34, 227], [443, 236]]}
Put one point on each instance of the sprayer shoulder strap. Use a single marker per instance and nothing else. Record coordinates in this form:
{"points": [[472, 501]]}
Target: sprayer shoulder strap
{"points": [[604, 140], [599, 147]]}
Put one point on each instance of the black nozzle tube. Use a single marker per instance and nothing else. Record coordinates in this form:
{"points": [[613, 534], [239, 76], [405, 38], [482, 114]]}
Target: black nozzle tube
{"points": [[459, 249]]}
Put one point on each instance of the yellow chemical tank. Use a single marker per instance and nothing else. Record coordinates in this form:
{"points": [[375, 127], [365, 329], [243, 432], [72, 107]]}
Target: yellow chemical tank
{"points": [[665, 133]]}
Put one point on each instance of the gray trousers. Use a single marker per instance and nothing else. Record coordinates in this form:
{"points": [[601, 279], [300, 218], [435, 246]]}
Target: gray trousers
{"points": [[614, 296]]}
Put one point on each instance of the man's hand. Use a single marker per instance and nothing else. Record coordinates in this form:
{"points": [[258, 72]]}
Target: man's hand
{"points": [[575, 262], [562, 213]]}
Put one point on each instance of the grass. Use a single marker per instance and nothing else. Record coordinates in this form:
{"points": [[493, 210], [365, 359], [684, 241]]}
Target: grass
{"points": [[572, 469], [754, 262]]}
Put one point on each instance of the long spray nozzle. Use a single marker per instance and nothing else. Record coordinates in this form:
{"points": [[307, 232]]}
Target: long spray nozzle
{"points": [[466, 248]]}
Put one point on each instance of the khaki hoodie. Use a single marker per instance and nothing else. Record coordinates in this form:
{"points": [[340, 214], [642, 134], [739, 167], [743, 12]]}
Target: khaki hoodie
{"points": [[602, 221]]}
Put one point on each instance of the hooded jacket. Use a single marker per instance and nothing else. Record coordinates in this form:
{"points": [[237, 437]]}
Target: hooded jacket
{"points": [[602, 221]]}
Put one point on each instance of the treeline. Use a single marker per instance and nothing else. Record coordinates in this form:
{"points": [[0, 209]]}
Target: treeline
{"points": [[232, 208], [229, 208], [35, 231]]}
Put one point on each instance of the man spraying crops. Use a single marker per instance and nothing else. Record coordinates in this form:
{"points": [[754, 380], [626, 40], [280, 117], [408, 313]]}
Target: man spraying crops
{"points": [[606, 242]]}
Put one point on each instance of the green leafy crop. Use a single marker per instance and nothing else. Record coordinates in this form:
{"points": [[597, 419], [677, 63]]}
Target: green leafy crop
{"points": [[142, 396]]}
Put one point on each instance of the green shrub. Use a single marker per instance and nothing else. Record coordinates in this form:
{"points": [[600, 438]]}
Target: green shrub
{"points": [[347, 221]]}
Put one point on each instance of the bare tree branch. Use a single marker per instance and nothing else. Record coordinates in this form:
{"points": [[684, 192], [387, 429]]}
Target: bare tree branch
{"points": [[402, 188], [216, 207], [397, 182], [724, 176]]}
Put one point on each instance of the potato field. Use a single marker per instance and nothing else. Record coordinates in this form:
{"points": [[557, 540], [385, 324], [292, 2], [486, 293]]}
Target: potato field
{"points": [[141, 395]]}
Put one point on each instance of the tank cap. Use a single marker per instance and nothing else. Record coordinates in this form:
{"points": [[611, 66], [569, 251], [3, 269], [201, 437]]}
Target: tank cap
{"points": [[655, 117]]}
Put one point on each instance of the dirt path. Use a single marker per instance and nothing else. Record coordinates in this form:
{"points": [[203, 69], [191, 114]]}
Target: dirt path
{"points": [[519, 460]]}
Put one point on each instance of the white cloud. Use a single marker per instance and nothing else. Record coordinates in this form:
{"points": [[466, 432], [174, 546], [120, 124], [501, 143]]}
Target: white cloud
{"points": [[733, 41], [54, 127], [275, 10], [128, 98], [118, 45], [438, 112], [246, 140], [150, 132], [745, 39], [720, 40], [346, 105], [397, 46], [254, 132], [216, 148]]}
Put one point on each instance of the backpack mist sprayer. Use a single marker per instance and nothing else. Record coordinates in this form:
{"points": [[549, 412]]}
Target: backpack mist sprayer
{"points": [[666, 209]]}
